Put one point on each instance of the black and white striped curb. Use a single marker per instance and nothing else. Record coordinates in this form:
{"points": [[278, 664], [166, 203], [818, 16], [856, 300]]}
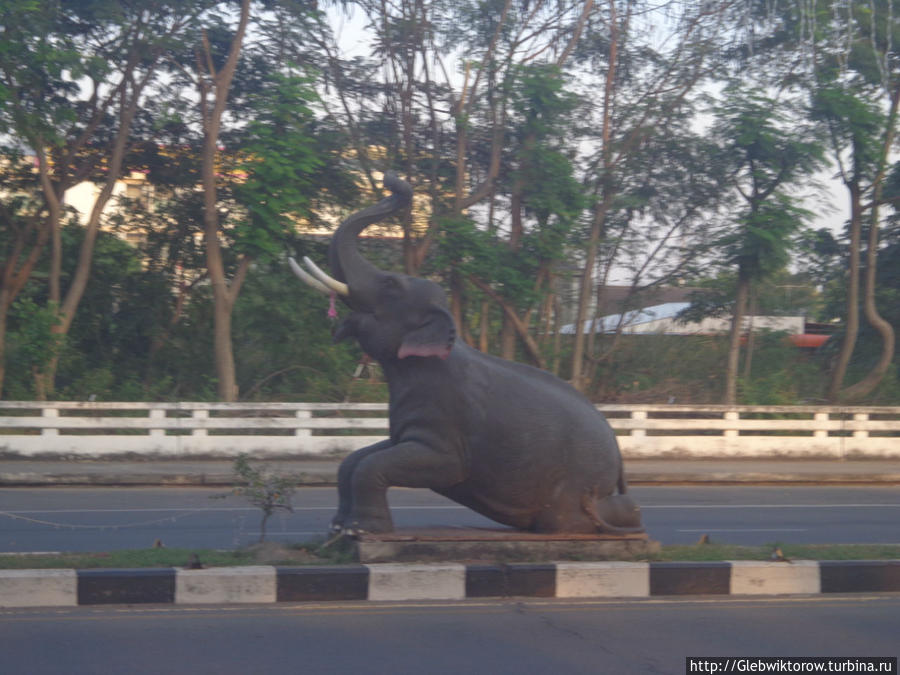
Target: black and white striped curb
{"points": [[450, 581]]}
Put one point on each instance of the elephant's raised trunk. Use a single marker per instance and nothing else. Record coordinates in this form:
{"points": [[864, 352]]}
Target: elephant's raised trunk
{"points": [[344, 258]]}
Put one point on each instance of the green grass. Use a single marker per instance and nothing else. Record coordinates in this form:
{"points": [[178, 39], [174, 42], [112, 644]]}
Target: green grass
{"points": [[717, 552], [268, 554], [314, 554], [152, 557]]}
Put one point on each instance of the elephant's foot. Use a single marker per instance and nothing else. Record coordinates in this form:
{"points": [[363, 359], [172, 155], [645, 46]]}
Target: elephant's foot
{"points": [[367, 525], [354, 527], [613, 514], [376, 521]]}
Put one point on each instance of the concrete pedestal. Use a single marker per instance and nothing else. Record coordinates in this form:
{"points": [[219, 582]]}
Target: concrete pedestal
{"points": [[501, 545]]}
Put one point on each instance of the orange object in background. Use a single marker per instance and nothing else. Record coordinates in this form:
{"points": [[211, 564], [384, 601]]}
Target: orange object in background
{"points": [[808, 340]]}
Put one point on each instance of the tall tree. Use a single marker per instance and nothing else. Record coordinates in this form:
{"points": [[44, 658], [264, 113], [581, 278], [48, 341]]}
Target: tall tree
{"points": [[650, 70], [215, 73], [857, 126], [258, 178], [844, 53], [765, 154], [74, 76], [435, 102]]}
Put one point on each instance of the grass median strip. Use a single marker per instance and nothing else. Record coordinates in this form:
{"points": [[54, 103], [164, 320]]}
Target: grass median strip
{"points": [[314, 554]]}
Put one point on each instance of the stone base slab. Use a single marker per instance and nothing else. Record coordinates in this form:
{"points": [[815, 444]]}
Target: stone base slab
{"points": [[500, 545]]}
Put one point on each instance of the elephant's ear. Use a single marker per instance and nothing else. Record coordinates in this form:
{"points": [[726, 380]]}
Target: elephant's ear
{"points": [[434, 337]]}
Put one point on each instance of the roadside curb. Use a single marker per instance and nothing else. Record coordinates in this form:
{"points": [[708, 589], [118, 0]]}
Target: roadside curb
{"points": [[445, 581]]}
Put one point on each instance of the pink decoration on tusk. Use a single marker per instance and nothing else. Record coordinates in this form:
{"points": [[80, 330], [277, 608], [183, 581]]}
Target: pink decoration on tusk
{"points": [[332, 310]]}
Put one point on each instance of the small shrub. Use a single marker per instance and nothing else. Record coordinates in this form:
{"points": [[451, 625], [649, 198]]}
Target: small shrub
{"points": [[263, 489]]}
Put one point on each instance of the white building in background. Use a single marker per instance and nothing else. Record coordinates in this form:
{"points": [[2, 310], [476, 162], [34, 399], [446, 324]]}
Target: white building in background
{"points": [[135, 186]]}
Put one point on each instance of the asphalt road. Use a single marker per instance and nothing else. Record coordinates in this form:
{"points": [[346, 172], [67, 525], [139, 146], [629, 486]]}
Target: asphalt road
{"points": [[647, 636], [91, 519]]}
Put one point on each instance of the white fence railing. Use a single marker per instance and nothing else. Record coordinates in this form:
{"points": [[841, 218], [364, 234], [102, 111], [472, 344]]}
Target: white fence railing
{"points": [[95, 430]]}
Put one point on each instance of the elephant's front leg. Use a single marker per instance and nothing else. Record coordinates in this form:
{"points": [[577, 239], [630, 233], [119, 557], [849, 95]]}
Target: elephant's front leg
{"points": [[344, 478], [407, 464]]}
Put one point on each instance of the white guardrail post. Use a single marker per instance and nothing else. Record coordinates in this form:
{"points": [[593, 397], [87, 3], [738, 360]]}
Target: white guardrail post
{"points": [[731, 432], [640, 415], [48, 414], [157, 414], [200, 415], [821, 430], [302, 423]]}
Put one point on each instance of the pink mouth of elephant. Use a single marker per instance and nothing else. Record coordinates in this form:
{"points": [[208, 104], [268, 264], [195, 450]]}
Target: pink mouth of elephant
{"points": [[441, 352]]}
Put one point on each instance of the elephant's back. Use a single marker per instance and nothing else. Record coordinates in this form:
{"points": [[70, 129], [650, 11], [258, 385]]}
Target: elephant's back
{"points": [[536, 432]]}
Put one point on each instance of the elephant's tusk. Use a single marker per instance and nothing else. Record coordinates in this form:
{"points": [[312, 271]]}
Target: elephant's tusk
{"points": [[307, 278], [338, 287]]}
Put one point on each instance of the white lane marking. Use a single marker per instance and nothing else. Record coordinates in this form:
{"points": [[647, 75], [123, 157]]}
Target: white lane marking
{"points": [[769, 506], [217, 509], [644, 507], [748, 529], [255, 535], [162, 510]]}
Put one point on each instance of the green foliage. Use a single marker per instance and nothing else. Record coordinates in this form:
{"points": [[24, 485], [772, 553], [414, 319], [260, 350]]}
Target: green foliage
{"points": [[765, 158], [714, 551], [282, 339], [782, 375], [307, 553], [761, 243], [33, 69], [779, 294], [663, 368], [539, 182], [282, 335], [690, 369], [33, 342], [854, 121], [280, 160], [290, 156]]}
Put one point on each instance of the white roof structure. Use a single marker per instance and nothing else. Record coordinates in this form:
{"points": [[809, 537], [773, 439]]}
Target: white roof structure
{"points": [[660, 319]]}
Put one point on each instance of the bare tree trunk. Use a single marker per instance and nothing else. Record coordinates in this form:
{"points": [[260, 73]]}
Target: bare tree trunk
{"points": [[579, 370], [485, 324], [218, 85], [557, 333], [579, 381], [852, 325], [456, 305], [520, 325], [734, 348], [129, 95], [53, 200], [751, 334], [884, 328]]}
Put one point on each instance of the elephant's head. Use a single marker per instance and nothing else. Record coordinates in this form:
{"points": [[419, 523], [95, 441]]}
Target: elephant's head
{"points": [[394, 316]]}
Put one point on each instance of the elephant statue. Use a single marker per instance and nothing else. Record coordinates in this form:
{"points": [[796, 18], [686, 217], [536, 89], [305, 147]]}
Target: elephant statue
{"points": [[509, 441]]}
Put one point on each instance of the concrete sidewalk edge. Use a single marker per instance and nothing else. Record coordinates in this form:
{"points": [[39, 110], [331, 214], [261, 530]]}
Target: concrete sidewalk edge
{"points": [[444, 581]]}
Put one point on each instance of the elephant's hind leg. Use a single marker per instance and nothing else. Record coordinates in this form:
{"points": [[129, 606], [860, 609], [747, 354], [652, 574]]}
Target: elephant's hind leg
{"points": [[583, 512], [564, 516]]}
